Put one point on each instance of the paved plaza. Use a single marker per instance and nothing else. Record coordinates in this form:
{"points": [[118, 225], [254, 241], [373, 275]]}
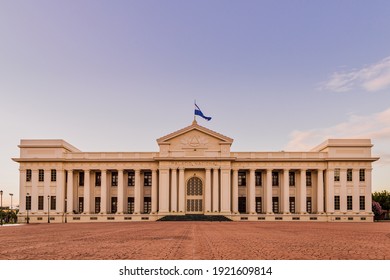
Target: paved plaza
{"points": [[197, 241]]}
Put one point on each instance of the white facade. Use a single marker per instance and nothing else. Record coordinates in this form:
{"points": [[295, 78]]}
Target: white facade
{"points": [[195, 172]]}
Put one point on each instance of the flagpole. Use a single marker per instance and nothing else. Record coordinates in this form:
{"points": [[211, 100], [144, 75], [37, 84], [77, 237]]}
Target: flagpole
{"points": [[194, 110]]}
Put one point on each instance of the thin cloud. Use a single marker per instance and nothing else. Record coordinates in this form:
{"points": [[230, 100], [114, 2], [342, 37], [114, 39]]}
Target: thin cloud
{"points": [[371, 78]]}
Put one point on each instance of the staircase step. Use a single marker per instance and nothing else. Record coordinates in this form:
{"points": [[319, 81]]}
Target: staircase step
{"points": [[195, 217]]}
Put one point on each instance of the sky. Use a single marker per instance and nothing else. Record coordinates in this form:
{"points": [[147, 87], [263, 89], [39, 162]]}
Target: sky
{"points": [[117, 75]]}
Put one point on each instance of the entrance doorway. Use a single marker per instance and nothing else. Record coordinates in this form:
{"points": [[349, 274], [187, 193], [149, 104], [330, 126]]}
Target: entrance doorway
{"points": [[194, 196]]}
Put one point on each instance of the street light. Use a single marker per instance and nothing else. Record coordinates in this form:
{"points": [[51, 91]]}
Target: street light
{"points": [[1, 208], [28, 207], [66, 209], [48, 209], [11, 194]]}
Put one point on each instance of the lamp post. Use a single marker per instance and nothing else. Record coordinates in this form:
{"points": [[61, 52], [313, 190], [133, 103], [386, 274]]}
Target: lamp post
{"points": [[1, 208], [66, 209], [48, 209], [11, 194], [28, 207]]}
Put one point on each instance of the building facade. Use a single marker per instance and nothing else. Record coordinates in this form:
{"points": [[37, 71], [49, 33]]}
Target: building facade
{"points": [[195, 172]]}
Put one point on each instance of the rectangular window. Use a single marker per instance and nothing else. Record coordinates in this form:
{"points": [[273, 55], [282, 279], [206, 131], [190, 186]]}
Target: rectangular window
{"points": [[362, 175], [53, 175], [258, 179], [275, 178], [259, 206], [28, 175], [114, 179], [147, 205], [308, 179], [275, 204], [41, 175], [292, 204], [349, 175], [308, 205], [114, 204], [147, 179], [349, 202], [81, 204], [130, 205], [362, 203], [130, 179], [53, 202], [336, 202], [28, 202], [81, 178], [97, 204], [337, 175], [98, 179], [241, 178], [291, 178], [40, 202]]}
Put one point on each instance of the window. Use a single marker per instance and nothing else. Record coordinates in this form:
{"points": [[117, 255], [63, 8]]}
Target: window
{"points": [[114, 204], [41, 175], [308, 205], [259, 206], [242, 179], [53, 175], [337, 175], [40, 202], [81, 204], [349, 202], [292, 204], [275, 204], [362, 175], [349, 175], [308, 179], [258, 180], [275, 179], [98, 179], [147, 179], [291, 178], [28, 175], [114, 179], [97, 204], [362, 203], [81, 178], [336, 202], [53, 203], [147, 205], [130, 205], [28, 202], [131, 179]]}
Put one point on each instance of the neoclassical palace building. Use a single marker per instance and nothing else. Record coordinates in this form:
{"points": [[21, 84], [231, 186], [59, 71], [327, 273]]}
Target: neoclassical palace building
{"points": [[195, 172]]}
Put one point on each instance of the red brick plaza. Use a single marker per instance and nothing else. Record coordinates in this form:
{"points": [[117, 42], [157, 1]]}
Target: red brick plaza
{"points": [[197, 241]]}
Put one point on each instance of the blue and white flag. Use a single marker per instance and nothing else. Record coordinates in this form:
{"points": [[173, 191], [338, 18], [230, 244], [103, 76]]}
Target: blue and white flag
{"points": [[198, 112]]}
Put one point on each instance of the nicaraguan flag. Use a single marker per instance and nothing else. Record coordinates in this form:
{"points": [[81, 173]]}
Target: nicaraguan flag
{"points": [[198, 112]]}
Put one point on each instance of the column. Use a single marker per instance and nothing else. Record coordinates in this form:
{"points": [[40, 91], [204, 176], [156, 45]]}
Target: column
{"points": [[356, 193], [225, 191], [368, 201], [320, 191], [235, 191], [329, 191], [343, 190], [164, 191], [60, 191], [182, 196], [216, 190], [268, 192], [87, 191], [69, 194], [154, 191], [46, 187], [285, 192], [252, 192], [302, 192], [34, 191], [23, 190], [121, 194], [103, 193], [137, 191], [207, 197], [174, 190]]}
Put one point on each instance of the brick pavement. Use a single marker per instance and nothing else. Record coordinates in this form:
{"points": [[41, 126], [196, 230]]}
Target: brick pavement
{"points": [[197, 241]]}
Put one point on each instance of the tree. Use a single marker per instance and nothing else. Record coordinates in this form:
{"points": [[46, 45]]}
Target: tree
{"points": [[383, 198], [377, 209]]}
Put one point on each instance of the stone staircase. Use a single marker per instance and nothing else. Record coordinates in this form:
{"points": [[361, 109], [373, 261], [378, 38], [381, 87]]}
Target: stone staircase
{"points": [[195, 217]]}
